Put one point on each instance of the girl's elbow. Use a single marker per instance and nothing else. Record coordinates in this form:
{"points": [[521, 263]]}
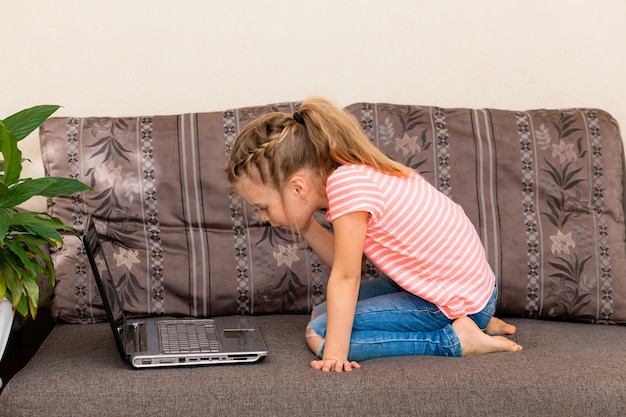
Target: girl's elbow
{"points": [[346, 277]]}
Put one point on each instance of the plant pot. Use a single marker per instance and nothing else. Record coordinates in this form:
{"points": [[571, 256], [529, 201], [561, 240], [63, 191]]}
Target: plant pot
{"points": [[6, 322]]}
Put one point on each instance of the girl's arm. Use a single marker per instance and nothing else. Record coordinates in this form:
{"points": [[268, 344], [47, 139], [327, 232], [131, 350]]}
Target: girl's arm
{"points": [[320, 240], [343, 291]]}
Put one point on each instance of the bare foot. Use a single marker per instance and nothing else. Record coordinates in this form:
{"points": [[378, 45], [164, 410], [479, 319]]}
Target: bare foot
{"points": [[474, 342], [498, 327]]}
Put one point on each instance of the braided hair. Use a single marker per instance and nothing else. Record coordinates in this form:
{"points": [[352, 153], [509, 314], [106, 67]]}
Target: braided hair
{"points": [[319, 136]]}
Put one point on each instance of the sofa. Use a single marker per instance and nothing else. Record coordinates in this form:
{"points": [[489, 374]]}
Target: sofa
{"points": [[544, 189]]}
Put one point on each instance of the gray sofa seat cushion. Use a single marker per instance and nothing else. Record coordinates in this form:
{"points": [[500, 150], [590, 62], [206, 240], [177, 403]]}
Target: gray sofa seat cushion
{"points": [[566, 369]]}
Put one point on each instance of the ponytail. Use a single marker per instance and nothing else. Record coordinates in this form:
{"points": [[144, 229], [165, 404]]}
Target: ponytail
{"points": [[343, 139], [318, 136]]}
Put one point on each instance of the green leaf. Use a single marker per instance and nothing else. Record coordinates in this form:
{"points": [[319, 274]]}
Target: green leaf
{"points": [[6, 216], [22, 305], [12, 260], [22, 123], [3, 284], [32, 294], [40, 225], [23, 191], [18, 251], [49, 271], [64, 186], [46, 187], [12, 157], [33, 247], [14, 286], [4, 193]]}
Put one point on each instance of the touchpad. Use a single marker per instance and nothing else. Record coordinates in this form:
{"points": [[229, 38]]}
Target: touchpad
{"points": [[237, 333]]}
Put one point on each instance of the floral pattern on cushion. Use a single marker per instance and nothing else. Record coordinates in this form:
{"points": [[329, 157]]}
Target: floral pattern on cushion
{"points": [[178, 240], [544, 189]]}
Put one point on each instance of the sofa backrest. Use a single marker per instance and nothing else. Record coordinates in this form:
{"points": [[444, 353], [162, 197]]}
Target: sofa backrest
{"points": [[544, 189]]}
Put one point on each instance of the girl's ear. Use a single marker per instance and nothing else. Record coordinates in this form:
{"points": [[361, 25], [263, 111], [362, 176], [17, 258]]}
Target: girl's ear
{"points": [[299, 186]]}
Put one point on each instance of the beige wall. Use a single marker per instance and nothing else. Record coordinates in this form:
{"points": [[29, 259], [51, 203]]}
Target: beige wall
{"points": [[120, 57]]}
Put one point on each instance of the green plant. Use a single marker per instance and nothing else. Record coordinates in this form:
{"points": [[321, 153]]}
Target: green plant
{"points": [[24, 265]]}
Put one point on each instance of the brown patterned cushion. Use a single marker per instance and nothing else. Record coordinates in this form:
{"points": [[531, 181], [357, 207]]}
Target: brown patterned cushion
{"points": [[178, 242], [544, 188]]}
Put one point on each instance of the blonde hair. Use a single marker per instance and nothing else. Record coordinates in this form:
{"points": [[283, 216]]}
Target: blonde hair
{"points": [[319, 136]]}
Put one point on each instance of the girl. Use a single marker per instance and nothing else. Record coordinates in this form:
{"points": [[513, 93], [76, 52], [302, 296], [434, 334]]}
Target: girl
{"points": [[441, 293]]}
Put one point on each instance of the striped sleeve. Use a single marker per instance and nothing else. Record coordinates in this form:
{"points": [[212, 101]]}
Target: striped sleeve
{"points": [[349, 190]]}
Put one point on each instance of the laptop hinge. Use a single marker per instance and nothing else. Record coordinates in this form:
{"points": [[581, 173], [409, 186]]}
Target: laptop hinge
{"points": [[138, 336]]}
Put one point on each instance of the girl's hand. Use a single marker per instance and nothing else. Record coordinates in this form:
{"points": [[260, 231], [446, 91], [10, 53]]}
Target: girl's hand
{"points": [[334, 365]]}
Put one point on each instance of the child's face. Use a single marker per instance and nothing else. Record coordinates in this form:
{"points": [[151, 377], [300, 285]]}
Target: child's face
{"points": [[291, 212]]}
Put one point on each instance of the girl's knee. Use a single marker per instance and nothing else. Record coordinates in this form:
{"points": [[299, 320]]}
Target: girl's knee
{"points": [[318, 310], [314, 341]]}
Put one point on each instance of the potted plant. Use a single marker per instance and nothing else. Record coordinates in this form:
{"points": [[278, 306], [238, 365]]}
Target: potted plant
{"points": [[25, 267]]}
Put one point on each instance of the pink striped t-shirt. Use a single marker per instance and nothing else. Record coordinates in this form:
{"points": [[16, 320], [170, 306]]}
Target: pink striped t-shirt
{"points": [[417, 236]]}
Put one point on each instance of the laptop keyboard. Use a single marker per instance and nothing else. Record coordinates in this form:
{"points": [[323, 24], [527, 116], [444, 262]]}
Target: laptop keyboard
{"points": [[188, 336]]}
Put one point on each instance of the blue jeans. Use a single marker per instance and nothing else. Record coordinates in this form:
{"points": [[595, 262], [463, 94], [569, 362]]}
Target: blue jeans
{"points": [[390, 321]]}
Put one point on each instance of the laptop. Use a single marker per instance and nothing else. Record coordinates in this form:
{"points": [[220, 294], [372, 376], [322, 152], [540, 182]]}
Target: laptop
{"points": [[169, 341]]}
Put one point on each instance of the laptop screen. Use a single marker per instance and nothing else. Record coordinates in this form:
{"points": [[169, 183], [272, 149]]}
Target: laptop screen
{"points": [[104, 280]]}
